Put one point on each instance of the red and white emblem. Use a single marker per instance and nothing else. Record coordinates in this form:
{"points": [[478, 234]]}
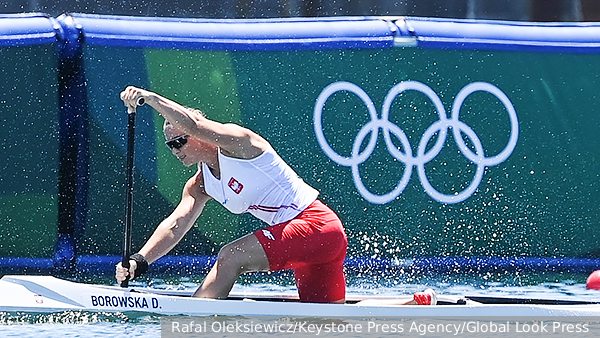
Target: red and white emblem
{"points": [[38, 299], [235, 186], [268, 234]]}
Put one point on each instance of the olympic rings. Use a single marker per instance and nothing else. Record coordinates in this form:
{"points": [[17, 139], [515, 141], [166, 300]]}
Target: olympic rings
{"points": [[423, 155]]}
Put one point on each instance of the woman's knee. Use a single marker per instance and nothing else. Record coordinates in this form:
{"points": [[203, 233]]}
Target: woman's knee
{"points": [[230, 254], [242, 255]]}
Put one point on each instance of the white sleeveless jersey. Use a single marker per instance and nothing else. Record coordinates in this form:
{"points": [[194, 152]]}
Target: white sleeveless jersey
{"points": [[264, 186]]}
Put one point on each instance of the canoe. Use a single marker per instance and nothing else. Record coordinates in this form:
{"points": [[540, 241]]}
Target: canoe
{"points": [[40, 294]]}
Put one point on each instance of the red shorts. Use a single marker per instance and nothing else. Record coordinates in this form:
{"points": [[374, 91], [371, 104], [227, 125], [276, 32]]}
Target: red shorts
{"points": [[314, 245]]}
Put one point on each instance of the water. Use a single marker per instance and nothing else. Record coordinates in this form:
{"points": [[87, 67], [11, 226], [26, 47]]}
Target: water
{"points": [[104, 325]]}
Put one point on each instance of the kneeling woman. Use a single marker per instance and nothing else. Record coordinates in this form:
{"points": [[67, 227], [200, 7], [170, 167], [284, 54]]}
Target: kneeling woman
{"points": [[239, 169]]}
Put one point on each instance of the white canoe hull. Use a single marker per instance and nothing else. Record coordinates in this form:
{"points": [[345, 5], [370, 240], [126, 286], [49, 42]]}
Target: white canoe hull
{"points": [[50, 294]]}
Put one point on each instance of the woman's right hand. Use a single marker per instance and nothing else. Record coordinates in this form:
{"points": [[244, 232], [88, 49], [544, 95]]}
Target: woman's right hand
{"points": [[131, 96], [121, 273]]}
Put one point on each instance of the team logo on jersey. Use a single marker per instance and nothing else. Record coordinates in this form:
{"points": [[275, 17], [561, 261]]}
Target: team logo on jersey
{"points": [[235, 186], [268, 234]]}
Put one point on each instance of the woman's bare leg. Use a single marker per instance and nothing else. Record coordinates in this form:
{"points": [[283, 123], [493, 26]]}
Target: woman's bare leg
{"points": [[243, 255]]}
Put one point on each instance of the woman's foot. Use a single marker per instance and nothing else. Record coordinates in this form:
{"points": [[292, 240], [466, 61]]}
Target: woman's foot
{"points": [[426, 297]]}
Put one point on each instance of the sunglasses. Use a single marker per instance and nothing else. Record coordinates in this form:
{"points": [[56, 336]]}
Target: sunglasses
{"points": [[177, 142]]}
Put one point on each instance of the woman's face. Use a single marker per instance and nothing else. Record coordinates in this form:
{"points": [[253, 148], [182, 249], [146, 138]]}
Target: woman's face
{"points": [[187, 149]]}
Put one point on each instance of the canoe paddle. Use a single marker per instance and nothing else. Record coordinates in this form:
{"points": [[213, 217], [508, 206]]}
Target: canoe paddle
{"points": [[129, 187]]}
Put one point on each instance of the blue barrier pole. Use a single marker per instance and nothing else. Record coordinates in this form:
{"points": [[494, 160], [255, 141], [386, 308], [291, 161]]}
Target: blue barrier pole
{"points": [[73, 172]]}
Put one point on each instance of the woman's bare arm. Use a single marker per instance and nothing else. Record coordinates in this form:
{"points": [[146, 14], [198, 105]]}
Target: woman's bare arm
{"points": [[236, 140], [172, 229]]}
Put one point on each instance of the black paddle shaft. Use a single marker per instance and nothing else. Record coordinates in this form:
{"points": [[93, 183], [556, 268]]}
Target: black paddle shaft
{"points": [[129, 187]]}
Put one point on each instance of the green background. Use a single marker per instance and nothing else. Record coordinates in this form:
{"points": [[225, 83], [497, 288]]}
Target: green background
{"points": [[541, 202], [29, 155]]}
